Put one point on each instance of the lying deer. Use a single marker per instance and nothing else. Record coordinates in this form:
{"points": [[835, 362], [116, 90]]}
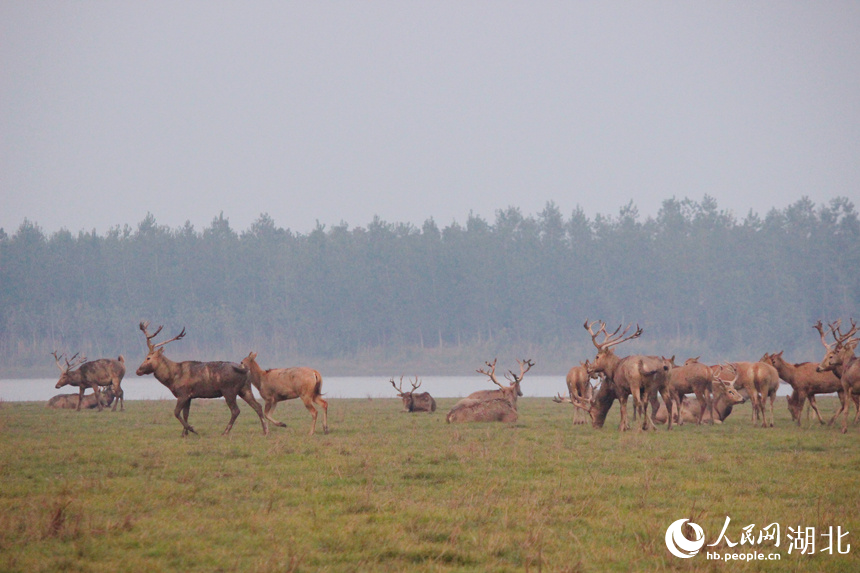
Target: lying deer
{"points": [[191, 379], [278, 384], [90, 401], [415, 401], [491, 405]]}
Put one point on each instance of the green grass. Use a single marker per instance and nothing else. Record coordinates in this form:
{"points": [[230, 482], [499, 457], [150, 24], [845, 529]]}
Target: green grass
{"points": [[387, 491]]}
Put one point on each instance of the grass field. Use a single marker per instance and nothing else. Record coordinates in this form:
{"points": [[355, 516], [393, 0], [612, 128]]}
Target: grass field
{"points": [[388, 491]]}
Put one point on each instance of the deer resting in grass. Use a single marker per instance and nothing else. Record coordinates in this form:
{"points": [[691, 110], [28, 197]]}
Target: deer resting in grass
{"points": [[697, 378], [278, 384], [491, 405], [636, 375], [90, 401], [191, 379], [415, 401], [92, 374], [722, 400], [840, 358], [760, 381]]}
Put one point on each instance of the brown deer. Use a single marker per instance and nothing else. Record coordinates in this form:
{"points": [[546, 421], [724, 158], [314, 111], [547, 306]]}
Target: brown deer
{"points": [[92, 374], [598, 405], [759, 381], [806, 382], [415, 401], [841, 360], [723, 397], [638, 375], [578, 382], [491, 405], [697, 378], [191, 379], [278, 384], [91, 401]]}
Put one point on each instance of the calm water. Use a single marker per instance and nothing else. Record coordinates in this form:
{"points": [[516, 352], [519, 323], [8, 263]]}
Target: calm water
{"points": [[148, 388]]}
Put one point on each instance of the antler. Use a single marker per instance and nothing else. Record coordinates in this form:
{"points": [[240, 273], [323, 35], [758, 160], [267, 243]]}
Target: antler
{"points": [[820, 328], [149, 337], [491, 373], [415, 384], [719, 373], [836, 329], [57, 360], [562, 399], [399, 390], [525, 366], [610, 340]]}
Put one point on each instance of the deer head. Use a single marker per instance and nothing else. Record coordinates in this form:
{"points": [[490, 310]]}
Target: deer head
{"points": [[156, 351], [841, 349], [68, 374]]}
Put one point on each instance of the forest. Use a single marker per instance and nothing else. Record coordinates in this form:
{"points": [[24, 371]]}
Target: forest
{"points": [[697, 279]]}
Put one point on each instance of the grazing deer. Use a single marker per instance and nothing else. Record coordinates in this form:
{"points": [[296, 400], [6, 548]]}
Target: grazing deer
{"points": [[806, 382], [191, 379], [415, 401], [279, 384], [92, 374], [598, 405], [578, 382], [90, 401], [491, 405], [638, 375], [841, 360]]}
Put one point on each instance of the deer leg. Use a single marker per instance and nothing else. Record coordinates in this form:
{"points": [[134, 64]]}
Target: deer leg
{"points": [[856, 398], [234, 412], [183, 407], [81, 389], [623, 426], [308, 402], [814, 406], [269, 408], [248, 396], [318, 399]]}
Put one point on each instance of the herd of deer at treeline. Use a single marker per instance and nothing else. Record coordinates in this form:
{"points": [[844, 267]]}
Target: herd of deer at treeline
{"points": [[717, 388]]}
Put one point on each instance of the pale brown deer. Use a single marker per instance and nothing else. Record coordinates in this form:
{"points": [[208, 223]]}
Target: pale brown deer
{"points": [[637, 375], [191, 379], [841, 360], [415, 401], [806, 381], [83, 374], [90, 401], [578, 382], [759, 381], [697, 378], [278, 384], [722, 400], [598, 405], [491, 405]]}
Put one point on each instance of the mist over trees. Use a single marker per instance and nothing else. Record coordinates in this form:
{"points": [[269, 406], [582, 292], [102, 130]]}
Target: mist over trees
{"points": [[695, 277]]}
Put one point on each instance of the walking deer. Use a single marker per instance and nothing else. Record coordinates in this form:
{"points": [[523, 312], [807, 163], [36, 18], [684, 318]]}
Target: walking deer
{"points": [[278, 384], [191, 379]]}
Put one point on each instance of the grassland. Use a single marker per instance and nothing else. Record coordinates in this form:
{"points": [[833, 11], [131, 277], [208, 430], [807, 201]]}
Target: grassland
{"points": [[387, 491]]}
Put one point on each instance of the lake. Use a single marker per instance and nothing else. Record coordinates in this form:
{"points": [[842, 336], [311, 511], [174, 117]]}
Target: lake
{"points": [[148, 388]]}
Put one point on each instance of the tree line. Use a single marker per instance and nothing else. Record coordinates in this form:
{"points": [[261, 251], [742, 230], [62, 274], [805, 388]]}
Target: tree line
{"points": [[694, 276]]}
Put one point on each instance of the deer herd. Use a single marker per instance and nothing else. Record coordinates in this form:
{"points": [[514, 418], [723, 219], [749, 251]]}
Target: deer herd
{"points": [[717, 388]]}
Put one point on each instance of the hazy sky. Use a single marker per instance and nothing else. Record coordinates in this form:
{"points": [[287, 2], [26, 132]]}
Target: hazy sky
{"points": [[339, 111]]}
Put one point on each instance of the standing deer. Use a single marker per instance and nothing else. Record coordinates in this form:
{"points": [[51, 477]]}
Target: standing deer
{"points": [[697, 378], [415, 401], [638, 375], [278, 384], [578, 382], [759, 381], [92, 374], [806, 382], [841, 360], [722, 399], [491, 405], [191, 379]]}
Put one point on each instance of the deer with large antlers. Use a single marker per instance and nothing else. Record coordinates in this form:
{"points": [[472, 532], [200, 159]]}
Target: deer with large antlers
{"points": [[415, 401], [492, 405], [840, 358], [85, 374], [280, 384], [191, 379], [637, 375]]}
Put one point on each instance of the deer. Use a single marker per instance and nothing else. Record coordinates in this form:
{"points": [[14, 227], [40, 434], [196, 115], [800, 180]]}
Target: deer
{"points": [[415, 401], [840, 358], [192, 379], [578, 382], [759, 381], [806, 382], [637, 375], [697, 378], [722, 398], [278, 384], [491, 405], [92, 374], [596, 406], [91, 401]]}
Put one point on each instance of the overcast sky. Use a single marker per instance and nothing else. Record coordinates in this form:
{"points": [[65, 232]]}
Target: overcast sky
{"points": [[339, 111]]}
